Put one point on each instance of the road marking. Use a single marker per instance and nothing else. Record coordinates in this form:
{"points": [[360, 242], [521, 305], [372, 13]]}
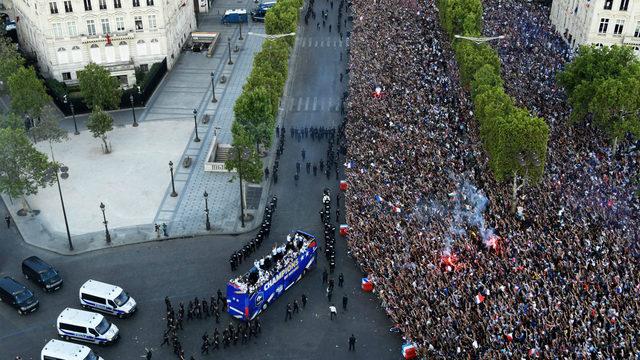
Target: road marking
{"points": [[316, 44], [310, 41], [315, 102], [306, 106], [340, 43], [299, 103], [292, 102], [322, 43]]}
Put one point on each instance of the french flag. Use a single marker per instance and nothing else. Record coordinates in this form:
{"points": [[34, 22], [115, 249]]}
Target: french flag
{"points": [[350, 165], [479, 298], [396, 209]]}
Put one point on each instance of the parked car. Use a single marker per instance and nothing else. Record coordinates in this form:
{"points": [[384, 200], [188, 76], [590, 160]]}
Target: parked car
{"points": [[41, 273], [62, 350], [17, 295], [86, 326], [107, 298]]}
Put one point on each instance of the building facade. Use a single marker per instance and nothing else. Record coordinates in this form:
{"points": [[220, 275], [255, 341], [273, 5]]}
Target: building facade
{"points": [[600, 22], [66, 35]]}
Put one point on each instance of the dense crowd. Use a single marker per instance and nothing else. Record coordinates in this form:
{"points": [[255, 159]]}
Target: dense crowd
{"points": [[463, 277]]}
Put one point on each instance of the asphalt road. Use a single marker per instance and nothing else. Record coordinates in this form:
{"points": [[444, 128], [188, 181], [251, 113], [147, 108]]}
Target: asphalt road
{"points": [[186, 268]]}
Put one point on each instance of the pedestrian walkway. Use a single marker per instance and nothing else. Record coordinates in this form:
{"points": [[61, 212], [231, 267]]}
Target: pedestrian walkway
{"points": [[134, 181]]}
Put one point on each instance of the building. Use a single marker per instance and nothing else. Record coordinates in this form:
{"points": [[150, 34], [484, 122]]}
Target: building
{"points": [[601, 22], [121, 35]]}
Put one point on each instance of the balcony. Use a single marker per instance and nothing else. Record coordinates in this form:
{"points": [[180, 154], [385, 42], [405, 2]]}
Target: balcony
{"points": [[631, 40], [116, 36]]}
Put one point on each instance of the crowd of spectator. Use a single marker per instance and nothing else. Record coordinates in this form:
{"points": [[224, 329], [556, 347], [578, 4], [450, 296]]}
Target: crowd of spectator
{"points": [[559, 279]]}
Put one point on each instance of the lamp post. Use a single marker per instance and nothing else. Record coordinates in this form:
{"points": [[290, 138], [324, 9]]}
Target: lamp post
{"points": [[229, 42], [106, 229], [133, 111], [65, 174], [195, 123], [240, 158], [173, 186], [73, 114], [240, 38], [213, 87], [206, 210]]}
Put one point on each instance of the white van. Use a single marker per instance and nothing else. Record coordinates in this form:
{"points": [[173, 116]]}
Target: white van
{"points": [[107, 298], [86, 326], [62, 350]]}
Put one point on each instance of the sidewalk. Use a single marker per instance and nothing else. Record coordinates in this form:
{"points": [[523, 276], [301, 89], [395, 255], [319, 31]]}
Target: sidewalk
{"points": [[134, 180]]}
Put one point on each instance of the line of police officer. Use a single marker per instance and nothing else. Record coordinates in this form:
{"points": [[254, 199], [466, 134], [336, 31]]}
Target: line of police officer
{"points": [[329, 230], [253, 244]]}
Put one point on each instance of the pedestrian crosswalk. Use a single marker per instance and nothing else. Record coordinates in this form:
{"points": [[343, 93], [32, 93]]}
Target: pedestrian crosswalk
{"points": [[312, 103], [319, 42]]}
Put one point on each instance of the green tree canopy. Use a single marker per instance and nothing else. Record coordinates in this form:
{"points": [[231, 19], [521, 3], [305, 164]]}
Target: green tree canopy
{"points": [[263, 77], [605, 82], [253, 112], [98, 87], [274, 55], [48, 128], [10, 59], [461, 16], [243, 157], [23, 169], [100, 123], [282, 18], [28, 94], [471, 57], [486, 77]]}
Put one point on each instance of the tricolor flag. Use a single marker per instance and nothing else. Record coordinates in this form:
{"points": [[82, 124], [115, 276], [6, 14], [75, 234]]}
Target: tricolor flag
{"points": [[378, 198], [509, 337], [396, 209], [479, 298], [349, 165]]}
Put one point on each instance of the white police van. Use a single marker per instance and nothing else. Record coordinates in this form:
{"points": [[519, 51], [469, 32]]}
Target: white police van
{"points": [[106, 298], [62, 350], [86, 326]]}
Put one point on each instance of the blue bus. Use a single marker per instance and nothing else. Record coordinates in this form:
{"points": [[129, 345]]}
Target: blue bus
{"points": [[271, 276]]}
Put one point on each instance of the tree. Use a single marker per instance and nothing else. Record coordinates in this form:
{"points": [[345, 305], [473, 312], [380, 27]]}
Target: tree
{"points": [[10, 59], [486, 77], [616, 107], [583, 77], [100, 123], [23, 169], [491, 106], [454, 16], [521, 151], [282, 18], [11, 120], [244, 158], [99, 88], [274, 55], [471, 57], [270, 80], [253, 112], [48, 128], [28, 94]]}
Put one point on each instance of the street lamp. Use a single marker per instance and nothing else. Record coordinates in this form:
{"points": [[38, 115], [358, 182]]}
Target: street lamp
{"points": [[106, 229], [133, 110], [195, 123], [206, 210], [213, 87], [229, 42], [73, 114], [244, 156], [240, 38], [173, 186], [479, 40], [64, 170]]}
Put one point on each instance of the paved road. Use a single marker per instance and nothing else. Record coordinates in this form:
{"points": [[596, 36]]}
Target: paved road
{"points": [[187, 268]]}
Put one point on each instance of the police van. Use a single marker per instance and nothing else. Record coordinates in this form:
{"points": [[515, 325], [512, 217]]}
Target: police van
{"points": [[62, 350], [259, 13], [86, 326], [106, 298]]}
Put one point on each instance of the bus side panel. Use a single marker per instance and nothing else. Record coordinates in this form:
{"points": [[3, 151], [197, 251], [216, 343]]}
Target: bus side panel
{"points": [[237, 302]]}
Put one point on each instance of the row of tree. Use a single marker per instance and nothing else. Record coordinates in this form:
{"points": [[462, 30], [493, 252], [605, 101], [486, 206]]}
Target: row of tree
{"points": [[515, 141], [257, 106]]}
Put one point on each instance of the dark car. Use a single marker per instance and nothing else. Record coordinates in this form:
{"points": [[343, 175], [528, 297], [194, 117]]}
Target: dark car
{"points": [[17, 295], [41, 273]]}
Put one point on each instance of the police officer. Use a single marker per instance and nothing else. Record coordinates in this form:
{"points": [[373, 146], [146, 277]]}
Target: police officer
{"points": [[288, 315], [304, 300], [340, 280], [345, 300], [352, 343], [325, 276], [315, 169], [308, 167], [296, 308]]}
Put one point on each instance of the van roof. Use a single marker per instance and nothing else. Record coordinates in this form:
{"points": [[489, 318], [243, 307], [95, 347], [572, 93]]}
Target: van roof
{"points": [[236, 11], [80, 317], [101, 289], [57, 348], [10, 285], [36, 264]]}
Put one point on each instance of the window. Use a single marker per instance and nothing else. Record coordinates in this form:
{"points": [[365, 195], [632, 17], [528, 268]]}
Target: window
{"points": [[87, 5], [53, 7], [637, 32], [599, 45], [76, 54], [93, 332], [152, 22], [71, 28], [636, 50], [57, 30], [74, 328], [106, 28], [136, 3], [149, 2], [138, 20], [604, 24], [67, 6], [66, 76], [624, 5], [617, 30], [144, 67], [608, 4], [120, 23], [117, 4], [123, 50], [91, 27], [102, 4], [63, 57], [88, 297]]}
